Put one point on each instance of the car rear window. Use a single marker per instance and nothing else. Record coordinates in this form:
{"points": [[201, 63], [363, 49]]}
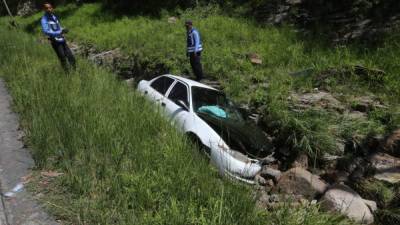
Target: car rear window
{"points": [[162, 84]]}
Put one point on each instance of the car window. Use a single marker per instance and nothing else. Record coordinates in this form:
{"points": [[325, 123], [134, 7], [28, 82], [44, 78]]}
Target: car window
{"points": [[162, 84], [179, 92], [214, 103]]}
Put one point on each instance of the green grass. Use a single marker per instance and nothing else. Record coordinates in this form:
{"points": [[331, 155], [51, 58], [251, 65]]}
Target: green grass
{"points": [[227, 41], [122, 162]]}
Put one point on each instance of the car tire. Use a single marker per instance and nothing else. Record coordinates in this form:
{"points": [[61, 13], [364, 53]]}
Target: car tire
{"points": [[204, 150]]}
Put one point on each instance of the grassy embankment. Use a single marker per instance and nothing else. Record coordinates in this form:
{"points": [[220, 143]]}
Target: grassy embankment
{"points": [[227, 41], [122, 163]]}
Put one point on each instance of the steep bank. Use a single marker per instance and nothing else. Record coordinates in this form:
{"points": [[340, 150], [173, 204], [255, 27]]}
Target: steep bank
{"points": [[288, 70], [121, 162]]}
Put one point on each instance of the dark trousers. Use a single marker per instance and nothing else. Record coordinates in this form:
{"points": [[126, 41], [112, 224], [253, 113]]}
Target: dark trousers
{"points": [[195, 62], [64, 55]]}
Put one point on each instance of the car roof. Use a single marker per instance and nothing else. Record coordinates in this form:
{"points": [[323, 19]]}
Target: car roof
{"points": [[190, 82]]}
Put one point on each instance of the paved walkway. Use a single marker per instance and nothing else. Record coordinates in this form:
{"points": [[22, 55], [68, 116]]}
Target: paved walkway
{"points": [[15, 162]]}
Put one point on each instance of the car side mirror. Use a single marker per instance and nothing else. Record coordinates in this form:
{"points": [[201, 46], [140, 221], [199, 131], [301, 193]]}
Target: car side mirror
{"points": [[182, 104]]}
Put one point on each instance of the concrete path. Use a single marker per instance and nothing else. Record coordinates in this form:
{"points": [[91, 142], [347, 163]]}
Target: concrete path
{"points": [[15, 161]]}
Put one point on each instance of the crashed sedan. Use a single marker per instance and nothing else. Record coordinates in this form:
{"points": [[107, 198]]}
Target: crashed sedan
{"points": [[235, 146]]}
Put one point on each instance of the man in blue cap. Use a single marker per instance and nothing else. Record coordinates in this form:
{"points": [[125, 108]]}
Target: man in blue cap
{"points": [[194, 49], [52, 29]]}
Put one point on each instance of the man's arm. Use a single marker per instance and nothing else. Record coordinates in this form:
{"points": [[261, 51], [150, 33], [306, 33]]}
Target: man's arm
{"points": [[196, 41], [46, 29]]}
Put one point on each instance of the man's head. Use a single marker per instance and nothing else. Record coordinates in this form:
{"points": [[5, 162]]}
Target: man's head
{"points": [[48, 8], [188, 25]]}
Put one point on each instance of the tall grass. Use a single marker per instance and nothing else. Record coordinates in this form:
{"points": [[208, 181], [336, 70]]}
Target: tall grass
{"points": [[227, 41], [122, 162]]}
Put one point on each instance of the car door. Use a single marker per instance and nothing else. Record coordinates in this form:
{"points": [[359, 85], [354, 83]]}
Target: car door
{"points": [[158, 88], [180, 115]]}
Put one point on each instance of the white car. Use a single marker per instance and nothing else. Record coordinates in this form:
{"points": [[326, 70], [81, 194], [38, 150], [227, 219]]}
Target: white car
{"points": [[235, 146]]}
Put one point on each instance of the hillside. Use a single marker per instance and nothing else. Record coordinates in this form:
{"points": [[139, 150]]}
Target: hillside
{"points": [[311, 98], [290, 64]]}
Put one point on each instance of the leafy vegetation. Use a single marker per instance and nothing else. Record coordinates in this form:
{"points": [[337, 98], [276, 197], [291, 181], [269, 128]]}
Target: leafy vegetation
{"points": [[122, 162]]}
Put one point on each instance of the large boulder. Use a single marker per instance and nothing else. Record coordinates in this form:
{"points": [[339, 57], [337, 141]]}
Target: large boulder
{"points": [[316, 99], [298, 181], [387, 167], [341, 198]]}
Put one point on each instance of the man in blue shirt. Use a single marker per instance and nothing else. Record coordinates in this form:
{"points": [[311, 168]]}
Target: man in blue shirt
{"points": [[194, 49], [52, 29]]}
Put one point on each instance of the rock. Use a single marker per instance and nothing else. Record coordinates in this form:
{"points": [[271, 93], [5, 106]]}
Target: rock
{"points": [[341, 198], [260, 180], [363, 23], [26, 8], [336, 177], [294, 2], [392, 176], [270, 183], [301, 161], [386, 166], [50, 174], [254, 58], [356, 115], [371, 205], [328, 157], [299, 181], [106, 58], [391, 144], [330, 161], [75, 48], [365, 104], [255, 117], [271, 201], [318, 99], [382, 161], [172, 20], [269, 172], [130, 82]]}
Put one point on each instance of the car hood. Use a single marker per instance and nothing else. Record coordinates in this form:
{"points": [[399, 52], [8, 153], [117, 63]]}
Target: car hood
{"points": [[240, 135]]}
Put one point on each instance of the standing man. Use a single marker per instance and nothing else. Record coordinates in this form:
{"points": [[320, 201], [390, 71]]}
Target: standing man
{"points": [[194, 49], [52, 29]]}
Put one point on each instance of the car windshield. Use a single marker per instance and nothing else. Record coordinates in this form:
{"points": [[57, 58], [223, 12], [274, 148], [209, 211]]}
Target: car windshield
{"points": [[214, 103]]}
